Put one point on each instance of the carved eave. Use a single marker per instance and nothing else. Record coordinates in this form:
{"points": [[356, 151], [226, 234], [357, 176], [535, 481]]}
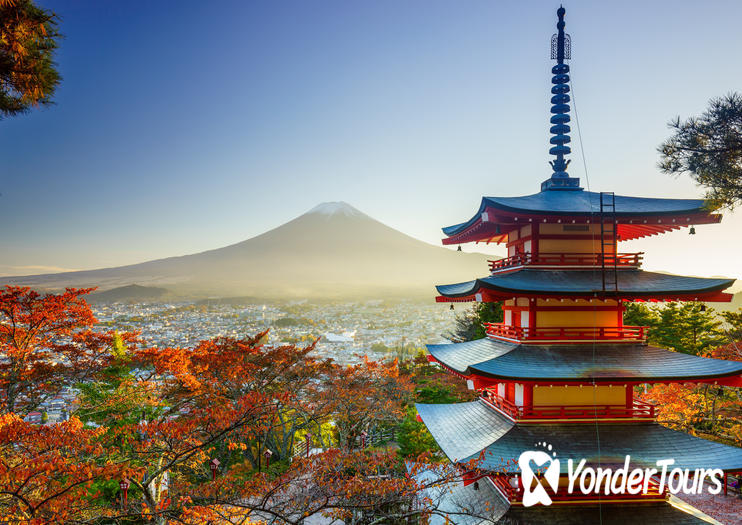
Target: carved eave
{"points": [[632, 285], [487, 362], [495, 220]]}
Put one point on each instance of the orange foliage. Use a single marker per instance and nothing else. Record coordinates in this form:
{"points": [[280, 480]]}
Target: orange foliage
{"points": [[711, 410], [162, 414], [46, 471], [367, 393], [46, 342]]}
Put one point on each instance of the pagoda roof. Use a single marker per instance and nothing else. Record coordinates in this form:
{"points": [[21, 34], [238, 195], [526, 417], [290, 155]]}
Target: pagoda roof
{"points": [[459, 504], [460, 356], [467, 431], [496, 215], [631, 283], [608, 514], [462, 504], [601, 362]]}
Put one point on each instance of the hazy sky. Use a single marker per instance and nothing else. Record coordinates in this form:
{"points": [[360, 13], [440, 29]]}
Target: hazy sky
{"points": [[185, 126]]}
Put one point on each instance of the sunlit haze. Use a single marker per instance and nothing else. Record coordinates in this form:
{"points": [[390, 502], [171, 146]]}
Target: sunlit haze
{"points": [[182, 127]]}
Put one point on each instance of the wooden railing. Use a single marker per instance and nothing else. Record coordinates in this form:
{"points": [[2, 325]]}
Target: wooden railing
{"points": [[502, 404], [503, 484], [638, 410], [572, 333], [622, 260]]}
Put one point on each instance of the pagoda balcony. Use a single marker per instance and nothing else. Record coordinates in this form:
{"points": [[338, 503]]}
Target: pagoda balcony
{"points": [[571, 334], [588, 260], [637, 410]]}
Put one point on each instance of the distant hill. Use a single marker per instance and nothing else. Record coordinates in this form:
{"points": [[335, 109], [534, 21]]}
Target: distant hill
{"points": [[132, 293], [331, 251]]}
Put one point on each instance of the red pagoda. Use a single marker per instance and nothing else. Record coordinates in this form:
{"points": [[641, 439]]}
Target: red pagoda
{"points": [[560, 372]]}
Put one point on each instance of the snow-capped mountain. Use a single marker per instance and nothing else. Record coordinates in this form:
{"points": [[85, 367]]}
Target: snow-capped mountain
{"points": [[333, 250]]}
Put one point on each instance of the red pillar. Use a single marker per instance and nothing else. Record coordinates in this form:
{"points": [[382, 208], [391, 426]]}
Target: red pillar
{"points": [[527, 397], [629, 395], [510, 392]]}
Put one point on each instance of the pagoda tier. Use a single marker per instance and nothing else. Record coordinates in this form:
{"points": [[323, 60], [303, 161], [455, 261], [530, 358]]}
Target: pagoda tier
{"points": [[608, 514], [635, 217], [463, 503], [630, 284], [562, 368], [472, 431], [484, 503], [487, 362]]}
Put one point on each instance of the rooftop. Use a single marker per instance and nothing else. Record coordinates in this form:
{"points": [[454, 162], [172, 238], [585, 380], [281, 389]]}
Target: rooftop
{"points": [[464, 430], [603, 362], [607, 514], [463, 504], [636, 216], [631, 283]]}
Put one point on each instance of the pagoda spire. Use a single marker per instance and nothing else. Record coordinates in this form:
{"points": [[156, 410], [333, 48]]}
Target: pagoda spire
{"points": [[561, 51]]}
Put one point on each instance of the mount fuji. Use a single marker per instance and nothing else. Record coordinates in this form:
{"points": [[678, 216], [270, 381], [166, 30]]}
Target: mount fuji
{"points": [[333, 250]]}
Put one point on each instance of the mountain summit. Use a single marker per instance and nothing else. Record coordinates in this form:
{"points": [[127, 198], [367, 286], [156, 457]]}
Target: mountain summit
{"points": [[334, 208], [333, 250]]}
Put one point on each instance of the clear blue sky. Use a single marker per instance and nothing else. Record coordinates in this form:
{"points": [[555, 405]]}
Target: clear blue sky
{"points": [[185, 126]]}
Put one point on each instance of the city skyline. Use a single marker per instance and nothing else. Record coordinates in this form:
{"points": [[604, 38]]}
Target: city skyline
{"points": [[293, 105]]}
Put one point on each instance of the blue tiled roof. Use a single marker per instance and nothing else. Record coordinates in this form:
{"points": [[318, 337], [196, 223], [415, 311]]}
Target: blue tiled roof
{"points": [[462, 505], [607, 514], [462, 430], [466, 427], [580, 203], [635, 282], [498, 359], [607, 362], [457, 504], [460, 356]]}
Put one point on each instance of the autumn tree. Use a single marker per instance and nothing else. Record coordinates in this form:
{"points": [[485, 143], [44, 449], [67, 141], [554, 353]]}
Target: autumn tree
{"points": [[361, 487], [47, 472], [238, 397], [233, 400], [157, 417], [712, 410], [709, 148], [28, 39], [46, 344], [368, 396]]}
